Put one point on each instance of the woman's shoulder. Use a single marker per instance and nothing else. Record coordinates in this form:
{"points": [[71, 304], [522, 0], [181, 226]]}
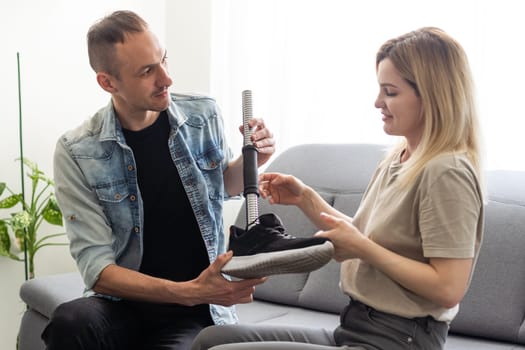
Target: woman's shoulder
{"points": [[450, 160], [447, 165]]}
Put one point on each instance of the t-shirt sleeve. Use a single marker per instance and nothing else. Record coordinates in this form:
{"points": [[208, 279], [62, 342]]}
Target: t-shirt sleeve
{"points": [[449, 213]]}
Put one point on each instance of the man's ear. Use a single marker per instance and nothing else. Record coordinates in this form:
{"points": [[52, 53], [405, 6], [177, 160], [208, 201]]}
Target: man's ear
{"points": [[105, 81]]}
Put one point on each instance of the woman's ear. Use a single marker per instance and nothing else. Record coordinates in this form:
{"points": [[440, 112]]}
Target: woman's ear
{"points": [[105, 81]]}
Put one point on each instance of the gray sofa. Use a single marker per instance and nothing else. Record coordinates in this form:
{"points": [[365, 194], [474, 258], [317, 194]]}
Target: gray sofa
{"points": [[491, 315]]}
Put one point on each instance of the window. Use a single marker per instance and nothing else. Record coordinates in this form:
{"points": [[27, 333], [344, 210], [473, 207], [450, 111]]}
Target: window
{"points": [[311, 66]]}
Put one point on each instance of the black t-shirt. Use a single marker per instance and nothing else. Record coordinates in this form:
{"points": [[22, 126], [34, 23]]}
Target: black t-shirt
{"points": [[173, 245]]}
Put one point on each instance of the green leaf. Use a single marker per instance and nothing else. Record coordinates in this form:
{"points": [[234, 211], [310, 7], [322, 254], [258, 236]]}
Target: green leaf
{"points": [[20, 237], [10, 201], [31, 165], [4, 252], [21, 220], [25, 222], [51, 212], [5, 241], [46, 179]]}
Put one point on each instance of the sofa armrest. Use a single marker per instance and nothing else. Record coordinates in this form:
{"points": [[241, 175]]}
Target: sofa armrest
{"points": [[44, 294]]}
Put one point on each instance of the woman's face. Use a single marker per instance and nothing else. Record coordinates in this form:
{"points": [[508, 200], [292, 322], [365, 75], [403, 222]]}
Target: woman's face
{"points": [[401, 107]]}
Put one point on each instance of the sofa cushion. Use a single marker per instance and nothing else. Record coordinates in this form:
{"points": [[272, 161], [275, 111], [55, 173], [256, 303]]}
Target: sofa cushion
{"points": [[506, 186], [496, 294], [321, 290], [31, 327], [457, 342], [494, 304]]}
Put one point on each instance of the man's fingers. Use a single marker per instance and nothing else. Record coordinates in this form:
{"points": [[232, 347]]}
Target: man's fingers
{"points": [[259, 122], [254, 281], [222, 260], [246, 300]]}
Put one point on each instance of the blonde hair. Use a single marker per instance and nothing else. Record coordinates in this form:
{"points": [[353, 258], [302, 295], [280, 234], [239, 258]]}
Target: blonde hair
{"points": [[436, 66]]}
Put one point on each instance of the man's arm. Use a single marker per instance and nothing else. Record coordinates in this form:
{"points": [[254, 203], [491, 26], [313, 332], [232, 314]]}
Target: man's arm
{"points": [[233, 177], [210, 287]]}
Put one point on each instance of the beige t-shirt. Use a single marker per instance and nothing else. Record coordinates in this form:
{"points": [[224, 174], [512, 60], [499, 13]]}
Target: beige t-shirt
{"points": [[441, 215]]}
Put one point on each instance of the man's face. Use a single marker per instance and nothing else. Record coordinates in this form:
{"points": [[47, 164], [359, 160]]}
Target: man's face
{"points": [[143, 80]]}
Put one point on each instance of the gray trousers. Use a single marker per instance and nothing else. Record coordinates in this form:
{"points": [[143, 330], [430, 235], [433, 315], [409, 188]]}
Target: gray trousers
{"points": [[362, 328]]}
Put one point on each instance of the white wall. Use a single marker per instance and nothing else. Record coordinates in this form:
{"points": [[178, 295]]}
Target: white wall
{"points": [[58, 92], [188, 41], [188, 35]]}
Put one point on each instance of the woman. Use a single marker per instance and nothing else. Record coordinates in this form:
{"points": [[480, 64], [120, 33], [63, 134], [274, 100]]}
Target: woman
{"points": [[409, 252]]}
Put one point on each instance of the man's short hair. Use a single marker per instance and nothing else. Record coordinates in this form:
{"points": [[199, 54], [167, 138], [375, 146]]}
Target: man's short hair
{"points": [[108, 31]]}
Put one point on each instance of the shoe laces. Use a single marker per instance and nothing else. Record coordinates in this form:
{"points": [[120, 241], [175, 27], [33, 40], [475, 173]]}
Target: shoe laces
{"points": [[276, 229]]}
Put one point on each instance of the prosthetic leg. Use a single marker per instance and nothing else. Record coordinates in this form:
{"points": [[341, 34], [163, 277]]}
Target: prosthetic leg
{"points": [[263, 248]]}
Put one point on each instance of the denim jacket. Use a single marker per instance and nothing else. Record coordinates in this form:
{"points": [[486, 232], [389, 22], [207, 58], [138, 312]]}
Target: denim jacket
{"points": [[97, 190]]}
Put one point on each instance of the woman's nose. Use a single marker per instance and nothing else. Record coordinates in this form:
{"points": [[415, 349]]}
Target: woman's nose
{"points": [[379, 103]]}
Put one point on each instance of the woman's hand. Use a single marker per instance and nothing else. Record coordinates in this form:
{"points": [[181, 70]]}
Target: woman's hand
{"points": [[281, 189], [345, 237]]}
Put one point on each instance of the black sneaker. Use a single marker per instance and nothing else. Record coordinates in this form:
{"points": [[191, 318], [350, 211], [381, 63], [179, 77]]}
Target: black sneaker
{"points": [[265, 249]]}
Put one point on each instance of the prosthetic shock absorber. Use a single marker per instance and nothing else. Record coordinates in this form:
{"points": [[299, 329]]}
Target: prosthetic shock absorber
{"points": [[249, 153]]}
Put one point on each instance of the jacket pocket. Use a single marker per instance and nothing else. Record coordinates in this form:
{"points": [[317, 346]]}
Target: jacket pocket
{"points": [[113, 192], [114, 199], [210, 166]]}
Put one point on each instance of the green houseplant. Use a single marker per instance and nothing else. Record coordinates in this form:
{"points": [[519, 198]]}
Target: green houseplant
{"points": [[19, 231]]}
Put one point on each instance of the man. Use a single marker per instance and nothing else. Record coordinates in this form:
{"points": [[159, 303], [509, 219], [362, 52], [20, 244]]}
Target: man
{"points": [[141, 186]]}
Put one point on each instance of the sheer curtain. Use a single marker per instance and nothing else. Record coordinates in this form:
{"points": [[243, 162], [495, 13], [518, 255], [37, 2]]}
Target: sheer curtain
{"points": [[310, 66]]}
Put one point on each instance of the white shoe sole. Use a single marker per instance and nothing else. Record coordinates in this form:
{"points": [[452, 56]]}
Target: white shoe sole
{"points": [[281, 262]]}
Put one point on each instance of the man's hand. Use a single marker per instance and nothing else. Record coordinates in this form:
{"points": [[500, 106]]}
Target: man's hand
{"points": [[264, 142], [212, 288], [262, 139]]}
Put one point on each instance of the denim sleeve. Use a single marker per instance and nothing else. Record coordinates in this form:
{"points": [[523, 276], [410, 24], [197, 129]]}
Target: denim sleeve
{"points": [[226, 150], [86, 224], [228, 154]]}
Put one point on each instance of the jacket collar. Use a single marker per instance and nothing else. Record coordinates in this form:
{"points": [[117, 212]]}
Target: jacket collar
{"points": [[112, 129]]}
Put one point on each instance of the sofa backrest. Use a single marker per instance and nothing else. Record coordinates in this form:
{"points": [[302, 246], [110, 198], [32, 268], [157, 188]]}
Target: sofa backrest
{"points": [[494, 305]]}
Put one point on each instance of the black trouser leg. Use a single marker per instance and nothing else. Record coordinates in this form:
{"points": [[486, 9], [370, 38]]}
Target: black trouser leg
{"points": [[92, 323]]}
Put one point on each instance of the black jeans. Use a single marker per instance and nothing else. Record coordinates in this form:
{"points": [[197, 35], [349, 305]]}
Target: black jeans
{"points": [[97, 323]]}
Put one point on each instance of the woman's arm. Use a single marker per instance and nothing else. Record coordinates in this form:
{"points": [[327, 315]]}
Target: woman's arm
{"points": [[443, 281], [289, 190]]}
